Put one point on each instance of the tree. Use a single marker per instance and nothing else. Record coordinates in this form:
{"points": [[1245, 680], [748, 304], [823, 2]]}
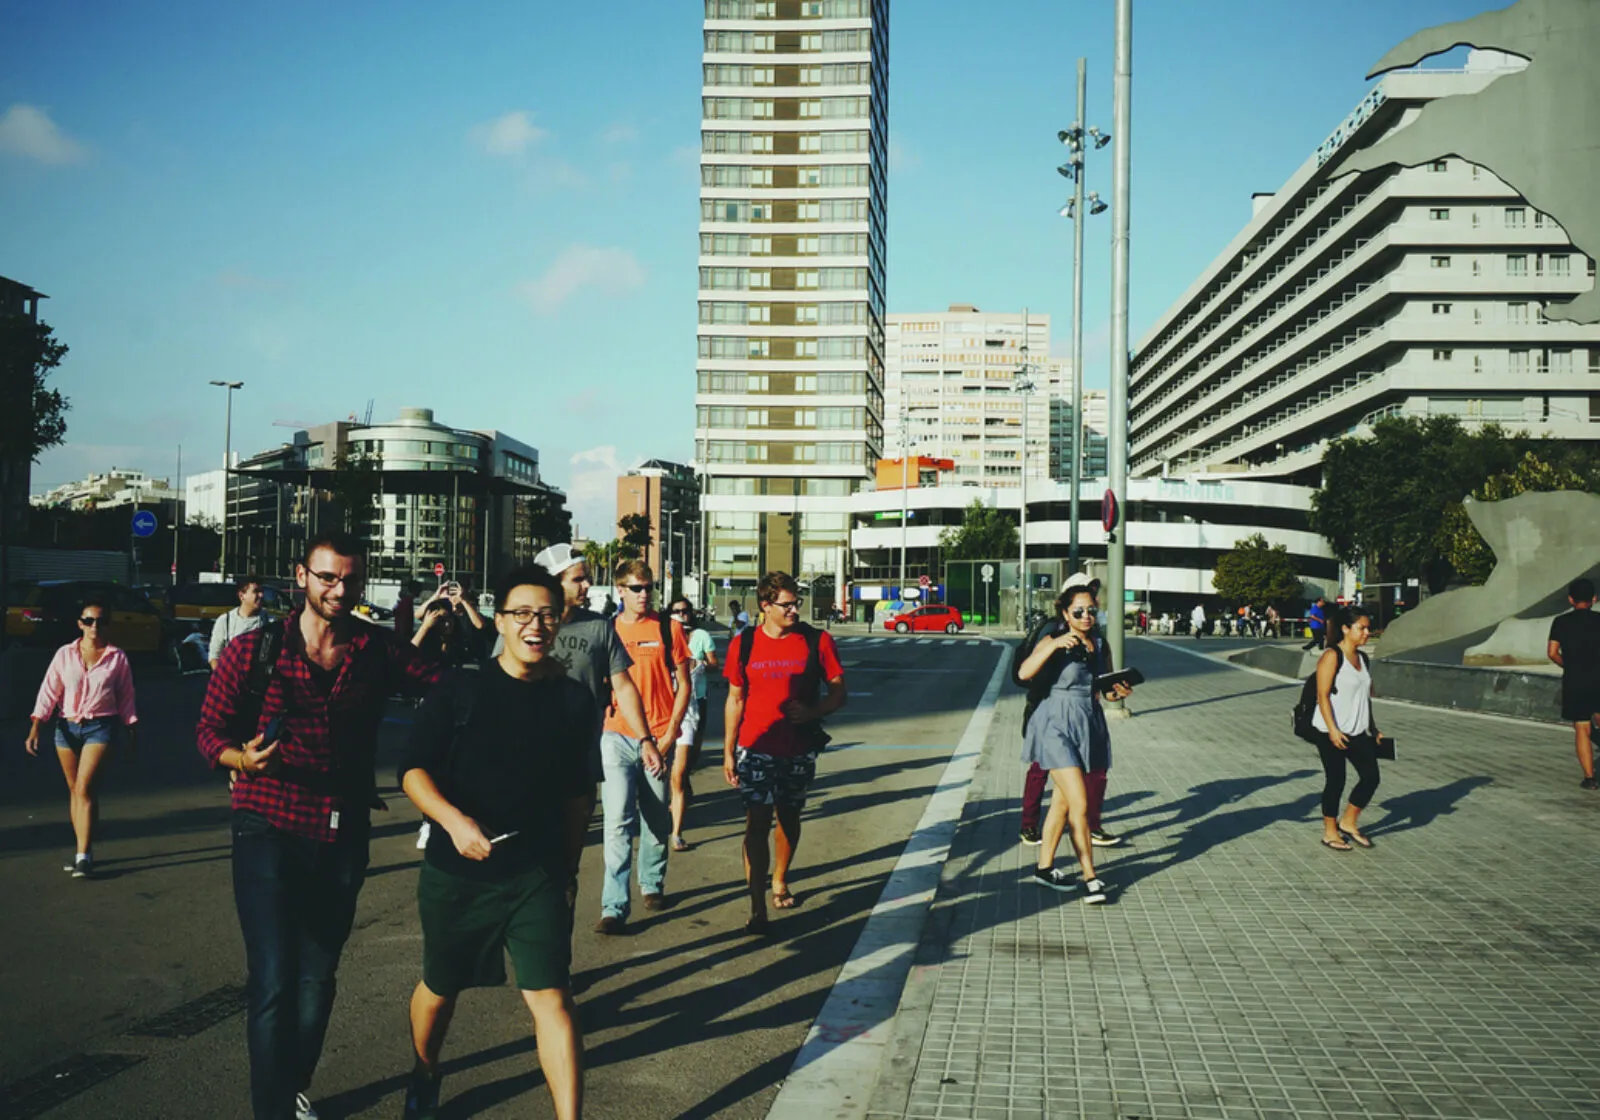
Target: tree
{"points": [[1384, 498], [1459, 540], [635, 535], [32, 416], [357, 480], [984, 534], [1256, 573]]}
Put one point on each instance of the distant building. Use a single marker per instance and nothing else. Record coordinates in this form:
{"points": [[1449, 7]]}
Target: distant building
{"points": [[668, 494], [117, 487]]}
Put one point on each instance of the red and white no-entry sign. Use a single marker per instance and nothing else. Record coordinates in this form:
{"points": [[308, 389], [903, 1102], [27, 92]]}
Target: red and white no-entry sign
{"points": [[438, 569]]}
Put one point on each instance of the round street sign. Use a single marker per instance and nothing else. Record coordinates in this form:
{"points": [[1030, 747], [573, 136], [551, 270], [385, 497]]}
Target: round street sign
{"points": [[1109, 511], [144, 524], [987, 572], [924, 581], [438, 569]]}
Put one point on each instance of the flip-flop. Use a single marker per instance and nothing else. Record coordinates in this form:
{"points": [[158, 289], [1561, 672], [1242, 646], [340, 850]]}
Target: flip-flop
{"points": [[679, 844], [1356, 838], [1336, 845], [783, 900]]}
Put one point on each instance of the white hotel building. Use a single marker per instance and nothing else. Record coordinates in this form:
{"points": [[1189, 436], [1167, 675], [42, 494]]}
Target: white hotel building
{"points": [[1415, 292], [793, 209]]}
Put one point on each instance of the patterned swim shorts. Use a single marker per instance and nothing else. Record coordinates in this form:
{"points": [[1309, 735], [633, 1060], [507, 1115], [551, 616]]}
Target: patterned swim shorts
{"points": [[766, 779]]}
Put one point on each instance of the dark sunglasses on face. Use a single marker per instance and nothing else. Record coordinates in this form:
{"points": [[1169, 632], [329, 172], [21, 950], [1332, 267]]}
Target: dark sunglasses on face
{"points": [[638, 588], [680, 612], [1081, 612], [87, 621]]}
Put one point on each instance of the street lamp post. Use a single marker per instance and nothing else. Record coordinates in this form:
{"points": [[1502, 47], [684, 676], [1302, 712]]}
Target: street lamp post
{"points": [[1076, 139], [1022, 386], [1122, 127], [227, 469], [671, 572], [905, 482]]}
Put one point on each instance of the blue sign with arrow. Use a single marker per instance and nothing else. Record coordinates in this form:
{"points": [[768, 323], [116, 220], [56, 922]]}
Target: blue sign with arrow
{"points": [[144, 524]]}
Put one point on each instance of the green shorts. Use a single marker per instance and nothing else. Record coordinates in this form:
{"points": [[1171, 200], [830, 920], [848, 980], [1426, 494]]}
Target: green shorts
{"points": [[468, 929]]}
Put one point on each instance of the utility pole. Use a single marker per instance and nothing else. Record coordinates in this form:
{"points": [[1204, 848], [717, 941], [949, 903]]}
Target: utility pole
{"points": [[177, 517], [905, 482], [1122, 130], [227, 471], [1023, 386]]}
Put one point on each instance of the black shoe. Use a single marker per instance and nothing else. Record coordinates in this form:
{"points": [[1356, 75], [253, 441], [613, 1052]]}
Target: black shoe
{"points": [[422, 1097], [1031, 837], [1104, 838], [1056, 879], [1589, 783], [1094, 891]]}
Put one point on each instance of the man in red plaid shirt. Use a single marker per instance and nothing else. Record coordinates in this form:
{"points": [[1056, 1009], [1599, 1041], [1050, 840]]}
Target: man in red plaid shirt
{"points": [[301, 804]]}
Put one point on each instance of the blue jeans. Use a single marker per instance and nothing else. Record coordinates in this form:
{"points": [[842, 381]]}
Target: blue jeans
{"points": [[628, 795], [296, 900]]}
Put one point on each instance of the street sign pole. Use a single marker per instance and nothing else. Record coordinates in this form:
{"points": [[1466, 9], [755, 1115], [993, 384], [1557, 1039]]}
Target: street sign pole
{"points": [[1122, 137]]}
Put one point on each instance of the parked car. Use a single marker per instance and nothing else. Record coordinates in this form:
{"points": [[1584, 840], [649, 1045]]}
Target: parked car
{"points": [[45, 615], [933, 617]]}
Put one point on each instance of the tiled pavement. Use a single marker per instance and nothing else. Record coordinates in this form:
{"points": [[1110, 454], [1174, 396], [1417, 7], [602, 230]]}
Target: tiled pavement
{"points": [[1242, 970]]}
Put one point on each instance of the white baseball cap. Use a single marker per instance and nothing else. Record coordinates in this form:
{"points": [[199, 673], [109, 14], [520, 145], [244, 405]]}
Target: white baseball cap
{"points": [[558, 558], [1081, 579]]}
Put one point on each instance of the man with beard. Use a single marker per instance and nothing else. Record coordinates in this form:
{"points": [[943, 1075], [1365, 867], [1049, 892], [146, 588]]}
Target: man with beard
{"points": [[294, 710]]}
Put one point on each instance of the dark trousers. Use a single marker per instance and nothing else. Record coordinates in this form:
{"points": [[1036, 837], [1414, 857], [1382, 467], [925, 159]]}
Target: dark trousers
{"points": [[1316, 638], [296, 900], [1362, 753], [1033, 787]]}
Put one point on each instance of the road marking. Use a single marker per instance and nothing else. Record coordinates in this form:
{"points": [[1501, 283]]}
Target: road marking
{"points": [[888, 746], [923, 641], [1490, 716], [837, 1067]]}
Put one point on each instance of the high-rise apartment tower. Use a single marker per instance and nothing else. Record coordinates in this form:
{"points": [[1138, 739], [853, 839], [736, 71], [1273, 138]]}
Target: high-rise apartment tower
{"points": [[793, 210]]}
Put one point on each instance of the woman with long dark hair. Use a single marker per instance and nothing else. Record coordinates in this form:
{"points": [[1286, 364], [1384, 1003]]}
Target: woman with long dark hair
{"points": [[1067, 735], [90, 684], [1344, 717]]}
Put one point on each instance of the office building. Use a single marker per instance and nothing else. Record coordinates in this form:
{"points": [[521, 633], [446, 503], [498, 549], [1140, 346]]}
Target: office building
{"points": [[1400, 292], [667, 496], [793, 209]]}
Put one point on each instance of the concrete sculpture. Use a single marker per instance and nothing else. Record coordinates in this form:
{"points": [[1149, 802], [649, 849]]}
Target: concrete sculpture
{"points": [[1541, 542], [1538, 129]]}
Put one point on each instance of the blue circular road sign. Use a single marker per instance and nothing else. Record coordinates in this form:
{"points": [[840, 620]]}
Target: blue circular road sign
{"points": [[144, 524]]}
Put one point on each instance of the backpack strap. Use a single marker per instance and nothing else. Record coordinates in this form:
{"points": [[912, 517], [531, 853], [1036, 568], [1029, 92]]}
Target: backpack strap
{"points": [[668, 649], [264, 665]]}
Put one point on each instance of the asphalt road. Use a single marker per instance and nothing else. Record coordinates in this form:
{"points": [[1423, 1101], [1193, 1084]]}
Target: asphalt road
{"points": [[121, 991]]}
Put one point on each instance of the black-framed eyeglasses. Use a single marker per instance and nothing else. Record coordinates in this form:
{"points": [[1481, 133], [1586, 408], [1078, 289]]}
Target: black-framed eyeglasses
{"points": [[638, 588], [680, 611], [333, 579], [790, 606], [522, 616], [89, 620]]}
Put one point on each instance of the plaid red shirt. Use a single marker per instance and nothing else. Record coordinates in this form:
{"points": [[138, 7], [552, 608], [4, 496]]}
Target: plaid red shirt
{"points": [[329, 741]]}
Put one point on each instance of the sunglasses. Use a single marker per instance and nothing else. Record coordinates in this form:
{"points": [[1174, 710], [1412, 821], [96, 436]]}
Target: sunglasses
{"points": [[680, 611], [638, 588], [86, 621], [1081, 612]]}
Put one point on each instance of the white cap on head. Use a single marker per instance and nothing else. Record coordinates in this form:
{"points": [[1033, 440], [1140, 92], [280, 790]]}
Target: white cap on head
{"points": [[1081, 579], [558, 558]]}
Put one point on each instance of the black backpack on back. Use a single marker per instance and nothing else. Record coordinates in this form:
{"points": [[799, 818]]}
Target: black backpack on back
{"points": [[810, 678], [1306, 706]]}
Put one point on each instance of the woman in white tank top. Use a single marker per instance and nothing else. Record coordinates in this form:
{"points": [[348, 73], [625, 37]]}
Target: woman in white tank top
{"points": [[1344, 716]]}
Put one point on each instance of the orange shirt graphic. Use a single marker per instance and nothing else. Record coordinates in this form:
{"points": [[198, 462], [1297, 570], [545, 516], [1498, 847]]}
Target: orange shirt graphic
{"points": [[650, 674]]}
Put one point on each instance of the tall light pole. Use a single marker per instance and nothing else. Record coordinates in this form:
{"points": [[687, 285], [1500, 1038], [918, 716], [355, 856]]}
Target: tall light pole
{"points": [[1076, 139], [1022, 386], [905, 482], [227, 469], [1122, 163], [672, 572]]}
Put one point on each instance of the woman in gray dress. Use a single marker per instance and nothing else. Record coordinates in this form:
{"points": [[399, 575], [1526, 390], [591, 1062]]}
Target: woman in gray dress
{"points": [[1067, 735]]}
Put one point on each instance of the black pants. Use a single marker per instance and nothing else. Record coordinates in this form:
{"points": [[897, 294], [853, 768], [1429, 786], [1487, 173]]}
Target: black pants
{"points": [[1362, 753], [1316, 639]]}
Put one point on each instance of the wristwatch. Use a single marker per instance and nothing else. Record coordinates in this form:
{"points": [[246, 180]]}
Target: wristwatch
{"points": [[652, 740]]}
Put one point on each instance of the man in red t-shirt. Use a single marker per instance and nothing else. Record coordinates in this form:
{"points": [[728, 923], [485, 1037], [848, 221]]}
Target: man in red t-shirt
{"points": [[771, 724]]}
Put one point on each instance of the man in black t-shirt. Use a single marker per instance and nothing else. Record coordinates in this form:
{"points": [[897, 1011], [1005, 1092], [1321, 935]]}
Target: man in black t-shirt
{"points": [[498, 760], [1575, 646]]}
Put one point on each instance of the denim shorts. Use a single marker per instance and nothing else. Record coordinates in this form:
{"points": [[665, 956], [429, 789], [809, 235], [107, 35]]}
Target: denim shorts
{"points": [[766, 779], [72, 736]]}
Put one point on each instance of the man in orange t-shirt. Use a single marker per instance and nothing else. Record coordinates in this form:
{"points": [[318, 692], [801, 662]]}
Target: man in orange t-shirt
{"points": [[635, 786]]}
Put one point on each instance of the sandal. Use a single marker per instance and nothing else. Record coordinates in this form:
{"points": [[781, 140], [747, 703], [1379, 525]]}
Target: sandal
{"points": [[1336, 845], [679, 844], [783, 900], [1360, 839]]}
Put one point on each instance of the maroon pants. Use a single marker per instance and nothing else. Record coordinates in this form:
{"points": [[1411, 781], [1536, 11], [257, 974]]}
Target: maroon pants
{"points": [[1038, 778]]}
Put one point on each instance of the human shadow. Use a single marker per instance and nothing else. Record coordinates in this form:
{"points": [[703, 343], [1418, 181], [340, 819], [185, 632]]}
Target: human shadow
{"points": [[1422, 807], [1220, 699]]}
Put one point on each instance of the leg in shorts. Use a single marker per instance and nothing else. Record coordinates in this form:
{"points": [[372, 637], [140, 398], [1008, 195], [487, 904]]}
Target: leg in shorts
{"points": [[469, 927], [766, 779]]}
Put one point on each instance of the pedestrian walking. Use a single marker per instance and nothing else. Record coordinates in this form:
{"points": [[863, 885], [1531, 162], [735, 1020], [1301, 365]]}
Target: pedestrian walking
{"points": [[1271, 628], [1344, 717], [738, 618], [634, 796], [686, 751], [1574, 645], [240, 620], [89, 685], [1317, 620], [294, 710], [499, 760], [405, 610], [1039, 687], [784, 679], [1197, 621], [1068, 736]]}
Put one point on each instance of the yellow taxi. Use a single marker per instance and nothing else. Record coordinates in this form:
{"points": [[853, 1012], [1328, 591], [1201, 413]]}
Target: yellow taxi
{"points": [[46, 614]]}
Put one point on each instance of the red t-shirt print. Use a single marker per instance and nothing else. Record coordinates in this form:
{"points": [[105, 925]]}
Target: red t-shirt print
{"points": [[776, 666]]}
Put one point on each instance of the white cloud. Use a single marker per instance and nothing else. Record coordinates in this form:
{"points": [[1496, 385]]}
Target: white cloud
{"points": [[27, 131], [592, 491], [509, 135], [902, 158], [611, 270], [620, 134]]}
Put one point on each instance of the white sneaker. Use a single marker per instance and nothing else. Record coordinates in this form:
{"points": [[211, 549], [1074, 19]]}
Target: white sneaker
{"points": [[1094, 890], [302, 1108]]}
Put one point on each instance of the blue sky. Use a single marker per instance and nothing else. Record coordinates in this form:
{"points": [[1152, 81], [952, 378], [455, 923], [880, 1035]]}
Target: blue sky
{"points": [[494, 214]]}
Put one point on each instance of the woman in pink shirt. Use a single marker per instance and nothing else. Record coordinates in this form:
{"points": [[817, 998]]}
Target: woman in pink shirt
{"points": [[90, 684]]}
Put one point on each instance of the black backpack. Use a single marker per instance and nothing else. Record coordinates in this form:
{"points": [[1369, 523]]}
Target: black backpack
{"points": [[810, 677], [1306, 706]]}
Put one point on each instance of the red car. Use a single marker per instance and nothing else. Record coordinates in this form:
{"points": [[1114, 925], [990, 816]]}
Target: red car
{"points": [[938, 617]]}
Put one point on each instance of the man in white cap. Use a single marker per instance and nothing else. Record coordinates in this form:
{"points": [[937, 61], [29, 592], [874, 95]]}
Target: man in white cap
{"points": [[1033, 785], [588, 645]]}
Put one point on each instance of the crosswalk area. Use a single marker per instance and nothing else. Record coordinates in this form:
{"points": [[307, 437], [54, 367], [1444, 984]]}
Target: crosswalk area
{"points": [[859, 641]]}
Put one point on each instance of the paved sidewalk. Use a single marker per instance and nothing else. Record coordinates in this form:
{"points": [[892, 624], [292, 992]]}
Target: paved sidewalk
{"points": [[1242, 970]]}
